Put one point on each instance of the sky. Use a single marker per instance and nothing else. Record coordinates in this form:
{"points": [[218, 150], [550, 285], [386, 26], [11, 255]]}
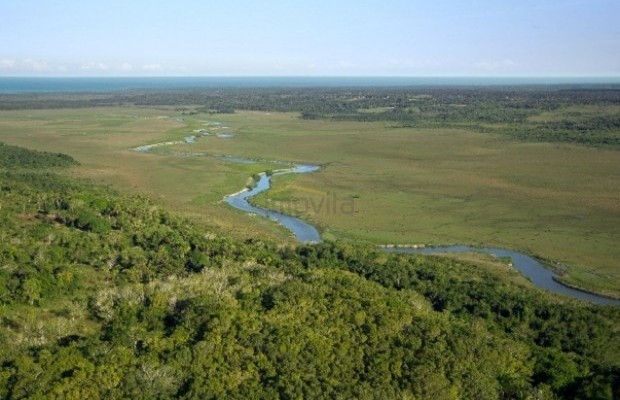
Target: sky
{"points": [[310, 38]]}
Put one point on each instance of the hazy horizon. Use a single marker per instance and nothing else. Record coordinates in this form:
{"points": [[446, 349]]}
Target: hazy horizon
{"points": [[106, 84], [284, 76], [398, 38]]}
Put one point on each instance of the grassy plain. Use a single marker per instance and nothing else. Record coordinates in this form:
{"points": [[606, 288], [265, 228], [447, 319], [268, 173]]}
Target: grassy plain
{"points": [[103, 139], [408, 185]]}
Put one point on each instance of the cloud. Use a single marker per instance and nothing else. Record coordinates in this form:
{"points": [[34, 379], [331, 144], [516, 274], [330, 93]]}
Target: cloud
{"points": [[32, 65], [153, 67], [36, 65], [163, 69], [7, 63], [344, 64], [98, 66], [29, 65], [493, 66]]}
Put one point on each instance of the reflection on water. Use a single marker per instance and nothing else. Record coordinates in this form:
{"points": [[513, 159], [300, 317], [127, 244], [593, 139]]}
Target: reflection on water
{"points": [[528, 266], [303, 231]]}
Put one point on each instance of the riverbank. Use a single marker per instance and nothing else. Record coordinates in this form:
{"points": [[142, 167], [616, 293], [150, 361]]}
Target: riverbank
{"points": [[556, 268], [562, 275], [303, 232], [307, 233], [529, 266]]}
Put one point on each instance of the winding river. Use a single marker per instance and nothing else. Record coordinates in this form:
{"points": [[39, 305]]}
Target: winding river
{"points": [[303, 231], [533, 269], [306, 233]]}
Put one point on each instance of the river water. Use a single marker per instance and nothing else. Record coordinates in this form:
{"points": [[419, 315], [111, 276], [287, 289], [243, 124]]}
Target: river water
{"points": [[303, 231], [306, 233], [528, 266]]}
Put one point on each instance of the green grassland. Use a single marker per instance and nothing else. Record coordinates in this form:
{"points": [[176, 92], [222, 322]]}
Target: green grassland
{"points": [[191, 186], [428, 185], [444, 186]]}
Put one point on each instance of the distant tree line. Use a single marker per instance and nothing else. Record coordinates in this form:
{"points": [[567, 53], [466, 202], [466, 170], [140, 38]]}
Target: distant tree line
{"points": [[503, 110]]}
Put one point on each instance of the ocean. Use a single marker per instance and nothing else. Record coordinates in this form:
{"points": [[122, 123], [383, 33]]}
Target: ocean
{"points": [[99, 84]]}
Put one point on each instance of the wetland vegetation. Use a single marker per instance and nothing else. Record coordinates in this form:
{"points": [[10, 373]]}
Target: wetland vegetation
{"points": [[511, 167], [125, 274]]}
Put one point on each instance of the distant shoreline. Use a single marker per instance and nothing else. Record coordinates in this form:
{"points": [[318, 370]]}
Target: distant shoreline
{"points": [[16, 85]]}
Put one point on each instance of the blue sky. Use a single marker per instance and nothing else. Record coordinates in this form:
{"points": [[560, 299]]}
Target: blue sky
{"points": [[310, 38]]}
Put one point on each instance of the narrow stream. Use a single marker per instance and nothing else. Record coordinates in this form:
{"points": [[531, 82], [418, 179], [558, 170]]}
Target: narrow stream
{"points": [[528, 266], [303, 231], [306, 233]]}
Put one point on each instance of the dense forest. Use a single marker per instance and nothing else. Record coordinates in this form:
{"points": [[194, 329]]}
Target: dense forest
{"points": [[12, 157], [586, 115], [104, 295]]}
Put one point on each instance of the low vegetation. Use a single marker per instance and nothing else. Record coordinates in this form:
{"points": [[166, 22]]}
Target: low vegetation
{"points": [[501, 110]]}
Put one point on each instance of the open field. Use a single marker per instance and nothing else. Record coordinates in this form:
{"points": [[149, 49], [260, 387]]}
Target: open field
{"points": [[102, 140], [408, 185]]}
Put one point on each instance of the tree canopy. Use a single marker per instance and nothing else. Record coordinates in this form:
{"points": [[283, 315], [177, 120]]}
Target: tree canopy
{"points": [[104, 295]]}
